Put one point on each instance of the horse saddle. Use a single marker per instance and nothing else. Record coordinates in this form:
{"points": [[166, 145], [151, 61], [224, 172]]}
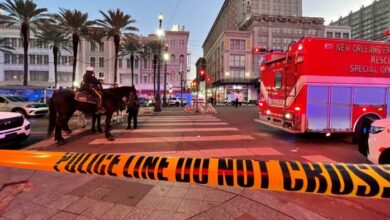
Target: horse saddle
{"points": [[83, 96]]}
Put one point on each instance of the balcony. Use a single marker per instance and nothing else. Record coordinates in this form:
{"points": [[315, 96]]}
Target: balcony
{"points": [[235, 81]]}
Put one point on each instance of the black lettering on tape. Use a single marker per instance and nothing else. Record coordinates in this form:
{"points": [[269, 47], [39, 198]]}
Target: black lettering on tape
{"points": [[161, 166], [137, 166], [184, 165], [64, 158], [245, 176], [113, 162], [264, 175], [225, 174], [201, 171], [74, 164], [315, 174], [126, 171], [369, 180], [90, 164], [103, 167], [336, 184], [70, 162], [98, 163], [385, 174], [149, 167], [287, 179], [80, 166]]}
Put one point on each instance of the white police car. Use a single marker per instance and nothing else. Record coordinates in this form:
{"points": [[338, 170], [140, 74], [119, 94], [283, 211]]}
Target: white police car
{"points": [[14, 127], [379, 142]]}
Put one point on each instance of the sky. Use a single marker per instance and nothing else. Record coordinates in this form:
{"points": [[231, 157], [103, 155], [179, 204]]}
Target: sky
{"points": [[196, 15]]}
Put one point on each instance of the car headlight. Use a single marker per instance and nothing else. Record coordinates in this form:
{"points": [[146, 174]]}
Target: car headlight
{"points": [[376, 130], [288, 116]]}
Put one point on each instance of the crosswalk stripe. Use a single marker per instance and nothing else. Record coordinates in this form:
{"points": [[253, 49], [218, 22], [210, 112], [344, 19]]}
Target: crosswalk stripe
{"points": [[173, 139], [221, 152], [179, 120], [318, 158], [162, 130], [149, 123]]}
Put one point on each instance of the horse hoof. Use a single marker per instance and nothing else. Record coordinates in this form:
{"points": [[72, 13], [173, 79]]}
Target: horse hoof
{"points": [[61, 142], [111, 138]]}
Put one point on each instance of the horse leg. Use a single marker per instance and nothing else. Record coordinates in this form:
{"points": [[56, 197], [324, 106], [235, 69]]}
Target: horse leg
{"points": [[58, 136], [93, 130], [99, 124], [108, 134], [66, 124]]}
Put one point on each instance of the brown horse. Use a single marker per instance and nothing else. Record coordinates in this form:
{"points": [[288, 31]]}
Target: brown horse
{"points": [[63, 105]]}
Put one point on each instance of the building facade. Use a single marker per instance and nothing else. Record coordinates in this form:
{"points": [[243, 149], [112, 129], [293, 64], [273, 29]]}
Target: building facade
{"points": [[341, 32], [368, 23], [101, 56], [229, 49]]}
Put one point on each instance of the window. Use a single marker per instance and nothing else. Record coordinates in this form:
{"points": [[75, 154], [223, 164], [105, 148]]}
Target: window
{"points": [[145, 79], [13, 75], [64, 60], [101, 61], [32, 59], [337, 35], [120, 63], [346, 35], [278, 80], [173, 58], [181, 43], [181, 59], [101, 47], [39, 59], [128, 61], [46, 59], [136, 63], [64, 77], [101, 75], [135, 79], [93, 46], [20, 59], [39, 76], [7, 58], [92, 61], [145, 64], [237, 44], [237, 60], [329, 34]]}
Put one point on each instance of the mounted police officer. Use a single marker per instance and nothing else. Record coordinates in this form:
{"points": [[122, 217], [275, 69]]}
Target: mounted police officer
{"points": [[92, 85]]}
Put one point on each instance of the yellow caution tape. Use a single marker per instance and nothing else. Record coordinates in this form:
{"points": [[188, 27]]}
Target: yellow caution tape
{"points": [[351, 180]]}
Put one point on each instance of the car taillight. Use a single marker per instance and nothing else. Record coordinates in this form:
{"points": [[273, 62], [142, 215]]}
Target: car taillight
{"points": [[297, 108], [376, 130]]}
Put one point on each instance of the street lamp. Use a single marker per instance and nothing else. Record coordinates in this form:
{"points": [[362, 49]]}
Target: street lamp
{"points": [[181, 84], [166, 59], [160, 34]]}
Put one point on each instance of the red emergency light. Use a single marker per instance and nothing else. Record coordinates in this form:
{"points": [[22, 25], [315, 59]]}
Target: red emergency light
{"points": [[387, 32]]}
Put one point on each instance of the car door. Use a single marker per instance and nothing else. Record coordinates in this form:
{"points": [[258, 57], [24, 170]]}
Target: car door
{"points": [[3, 104]]}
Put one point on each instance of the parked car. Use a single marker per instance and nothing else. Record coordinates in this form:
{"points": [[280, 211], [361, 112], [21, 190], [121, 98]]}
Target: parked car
{"points": [[145, 102], [14, 127], [174, 101], [11, 103], [379, 142]]}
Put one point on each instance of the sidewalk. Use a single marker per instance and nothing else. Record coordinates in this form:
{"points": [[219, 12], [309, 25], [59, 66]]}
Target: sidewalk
{"points": [[27, 194]]}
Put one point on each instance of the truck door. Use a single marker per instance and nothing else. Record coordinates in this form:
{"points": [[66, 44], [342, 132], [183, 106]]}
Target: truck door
{"points": [[317, 107], [341, 108]]}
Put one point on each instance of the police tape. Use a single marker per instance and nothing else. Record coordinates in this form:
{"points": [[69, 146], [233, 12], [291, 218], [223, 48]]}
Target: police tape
{"points": [[351, 180]]}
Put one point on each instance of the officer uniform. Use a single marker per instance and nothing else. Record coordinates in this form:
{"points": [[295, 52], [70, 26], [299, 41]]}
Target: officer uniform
{"points": [[93, 85]]}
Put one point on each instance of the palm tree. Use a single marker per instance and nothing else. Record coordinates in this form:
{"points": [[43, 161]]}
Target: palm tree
{"points": [[56, 40], [27, 15], [117, 22], [130, 46], [76, 24], [154, 47], [4, 48]]}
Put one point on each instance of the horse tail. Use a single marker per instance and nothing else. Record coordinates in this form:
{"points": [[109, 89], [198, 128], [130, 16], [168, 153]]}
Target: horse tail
{"points": [[52, 117]]}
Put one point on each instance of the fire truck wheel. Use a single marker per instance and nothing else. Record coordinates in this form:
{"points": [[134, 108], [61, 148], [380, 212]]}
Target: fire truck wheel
{"points": [[362, 132], [385, 157]]}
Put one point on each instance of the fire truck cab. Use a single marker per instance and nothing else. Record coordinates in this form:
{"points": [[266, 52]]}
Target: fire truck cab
{"points": [[326, 86]]}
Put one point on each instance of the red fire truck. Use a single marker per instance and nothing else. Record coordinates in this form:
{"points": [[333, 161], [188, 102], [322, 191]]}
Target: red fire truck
{"points": [[326, 86]]}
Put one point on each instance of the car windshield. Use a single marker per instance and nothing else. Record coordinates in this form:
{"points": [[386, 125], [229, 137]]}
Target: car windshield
{"points": [[16, 99]]}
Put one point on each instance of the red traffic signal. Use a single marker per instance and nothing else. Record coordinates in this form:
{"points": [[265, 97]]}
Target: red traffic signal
{"points": [[202, 74], [209, 79], [258, 50], [387, 32]]}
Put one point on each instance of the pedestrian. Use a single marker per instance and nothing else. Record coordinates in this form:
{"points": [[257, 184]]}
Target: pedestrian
{"points": [[132, 110], [236, 99]]}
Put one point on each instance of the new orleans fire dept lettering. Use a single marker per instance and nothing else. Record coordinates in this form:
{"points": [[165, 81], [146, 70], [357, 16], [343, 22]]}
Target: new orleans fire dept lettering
{"points": [[334, 179]]}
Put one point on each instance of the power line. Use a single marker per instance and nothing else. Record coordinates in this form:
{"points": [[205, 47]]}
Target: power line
{"points": [[174, 12]]}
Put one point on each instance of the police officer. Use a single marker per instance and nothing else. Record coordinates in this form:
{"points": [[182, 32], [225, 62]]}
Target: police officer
{"points": [[132, 109], [94, 86]]}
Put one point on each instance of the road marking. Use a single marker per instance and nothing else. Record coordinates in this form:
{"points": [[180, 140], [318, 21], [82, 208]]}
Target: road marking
{"points": [[319, 158], [180, 120], [222, 152], [184, 124], [173, 139], [146, 130]]}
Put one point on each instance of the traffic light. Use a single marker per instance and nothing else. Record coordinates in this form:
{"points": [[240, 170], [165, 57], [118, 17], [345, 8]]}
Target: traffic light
{"points": [[202, 74], [208, 79], [387, 32]]}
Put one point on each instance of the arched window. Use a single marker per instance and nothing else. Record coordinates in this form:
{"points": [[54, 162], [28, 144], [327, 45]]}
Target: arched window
{"points": [[173, 58]]}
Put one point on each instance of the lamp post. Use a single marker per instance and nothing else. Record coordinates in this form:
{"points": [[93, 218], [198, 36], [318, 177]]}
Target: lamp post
{"points": [[181, 84], [160, 34], [166, 58]]}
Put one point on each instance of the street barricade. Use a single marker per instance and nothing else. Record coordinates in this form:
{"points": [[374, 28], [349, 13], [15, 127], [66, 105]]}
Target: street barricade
{"points": [[350, 180]]}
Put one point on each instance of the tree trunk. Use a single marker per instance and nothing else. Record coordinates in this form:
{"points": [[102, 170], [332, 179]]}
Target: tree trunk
{"points": [[154, 74], [117, 40], [157, 107], [55, 54], [132, 69], [24, 32], [75, 42]]}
